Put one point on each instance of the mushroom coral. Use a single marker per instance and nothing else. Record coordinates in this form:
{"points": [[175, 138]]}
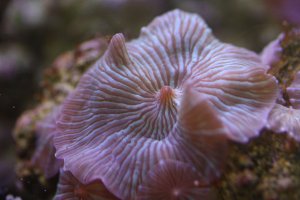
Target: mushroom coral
{"points": [[284, 117], [69, 188], [43, 156], [271, 53], [174, 93], [174, 180], [293, 92], [287, 119]]}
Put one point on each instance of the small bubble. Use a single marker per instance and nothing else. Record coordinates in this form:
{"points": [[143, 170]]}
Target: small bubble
{"points": [[176, 192], [196, 183]]}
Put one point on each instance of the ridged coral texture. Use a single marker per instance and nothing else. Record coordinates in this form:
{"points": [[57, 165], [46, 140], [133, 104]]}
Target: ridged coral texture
{"points": [[174, 93]]}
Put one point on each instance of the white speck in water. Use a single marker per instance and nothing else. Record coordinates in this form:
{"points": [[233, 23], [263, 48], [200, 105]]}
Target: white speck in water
{"points": [[196, 183], [176, 192]]}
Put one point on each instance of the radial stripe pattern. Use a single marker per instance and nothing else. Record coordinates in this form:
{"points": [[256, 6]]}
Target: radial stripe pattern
{"points": [[69, 188], [174, 180], [174, 93]]}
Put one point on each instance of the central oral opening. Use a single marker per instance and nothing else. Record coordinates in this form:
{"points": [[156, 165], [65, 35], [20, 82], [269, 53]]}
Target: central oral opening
{"points": [[166, 96], [162, 117]]}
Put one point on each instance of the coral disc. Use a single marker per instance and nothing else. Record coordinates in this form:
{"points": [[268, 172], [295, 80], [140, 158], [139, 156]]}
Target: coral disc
{"points": [[173, 180], [174, 93], [69, 188]]}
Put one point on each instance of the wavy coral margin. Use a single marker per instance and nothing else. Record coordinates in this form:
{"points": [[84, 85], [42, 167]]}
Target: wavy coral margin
{"points": [[114, 127]]}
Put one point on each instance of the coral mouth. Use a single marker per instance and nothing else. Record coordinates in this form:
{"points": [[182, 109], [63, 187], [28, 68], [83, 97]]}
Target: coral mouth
{"points": [[166, 96]]}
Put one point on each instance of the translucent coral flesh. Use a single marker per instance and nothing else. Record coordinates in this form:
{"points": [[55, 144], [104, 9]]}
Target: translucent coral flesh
{"points": [[271, 53], [115, 128], [293, 92], [69, 188], [287, 119], [283, 119], [173, 180], [44, 157]]}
